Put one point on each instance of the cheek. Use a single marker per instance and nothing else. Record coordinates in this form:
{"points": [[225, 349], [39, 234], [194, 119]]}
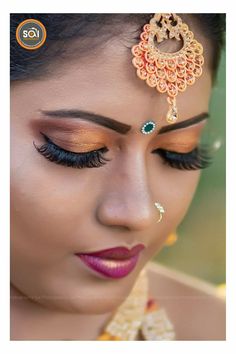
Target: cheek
{"points": [[47, 204], [179, 193]]}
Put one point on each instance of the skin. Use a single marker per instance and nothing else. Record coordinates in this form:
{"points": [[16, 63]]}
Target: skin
{"points": [[58, 210]]}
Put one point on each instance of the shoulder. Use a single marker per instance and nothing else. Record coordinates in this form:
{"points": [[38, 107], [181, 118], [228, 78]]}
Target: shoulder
{"points": [[192, 305]]}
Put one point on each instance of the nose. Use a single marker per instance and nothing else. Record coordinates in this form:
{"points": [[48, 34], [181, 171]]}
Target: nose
{"points": [[127, 201]]}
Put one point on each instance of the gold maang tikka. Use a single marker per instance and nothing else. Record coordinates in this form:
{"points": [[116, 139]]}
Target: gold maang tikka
{"points": [[170, 73]]}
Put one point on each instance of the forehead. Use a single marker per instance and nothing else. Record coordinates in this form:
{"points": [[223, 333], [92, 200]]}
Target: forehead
{"points": [[105, 81]]}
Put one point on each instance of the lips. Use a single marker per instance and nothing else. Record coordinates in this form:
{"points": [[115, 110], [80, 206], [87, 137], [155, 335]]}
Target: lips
{"points": [[113, 262]]}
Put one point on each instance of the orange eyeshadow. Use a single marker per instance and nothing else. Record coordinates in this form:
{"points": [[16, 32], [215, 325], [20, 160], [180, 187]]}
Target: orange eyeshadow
{"points": [[182, 141], [76, 137]]}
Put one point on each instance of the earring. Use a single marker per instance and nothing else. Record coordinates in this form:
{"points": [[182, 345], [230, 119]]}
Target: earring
{"points": [[161, 210], [169, 73], [171, 239]]}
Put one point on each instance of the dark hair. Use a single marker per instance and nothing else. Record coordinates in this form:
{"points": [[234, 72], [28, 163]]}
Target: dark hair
{"points": [[92, 31]]}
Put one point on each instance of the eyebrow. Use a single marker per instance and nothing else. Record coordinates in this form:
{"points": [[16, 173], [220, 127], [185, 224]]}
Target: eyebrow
{"points": [[110, 123], [113, 124], [184, 123]]}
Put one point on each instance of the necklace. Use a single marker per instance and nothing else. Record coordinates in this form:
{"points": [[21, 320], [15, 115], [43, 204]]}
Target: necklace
{"points": [[139, 317]]}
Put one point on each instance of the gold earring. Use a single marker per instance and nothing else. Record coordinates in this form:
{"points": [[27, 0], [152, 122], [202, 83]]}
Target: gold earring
{"points": [[171, 239], [169, 73]]}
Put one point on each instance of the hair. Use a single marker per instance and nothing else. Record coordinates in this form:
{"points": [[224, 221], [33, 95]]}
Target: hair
{"points": [[92, 31]]}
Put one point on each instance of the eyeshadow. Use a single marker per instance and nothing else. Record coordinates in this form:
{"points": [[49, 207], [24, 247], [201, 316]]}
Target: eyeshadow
{"points": [[76, 137]]}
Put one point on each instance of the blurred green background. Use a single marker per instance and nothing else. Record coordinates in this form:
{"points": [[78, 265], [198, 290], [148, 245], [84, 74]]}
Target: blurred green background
{"points": [[200, 249]]}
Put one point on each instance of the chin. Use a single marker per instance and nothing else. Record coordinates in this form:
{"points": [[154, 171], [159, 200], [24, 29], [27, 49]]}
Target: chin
{"points": [[84, 305], [92, 297], [98, 307]]}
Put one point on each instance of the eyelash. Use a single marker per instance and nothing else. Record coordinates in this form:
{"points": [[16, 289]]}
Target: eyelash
{"points": [[56, 154], [198, 158]]}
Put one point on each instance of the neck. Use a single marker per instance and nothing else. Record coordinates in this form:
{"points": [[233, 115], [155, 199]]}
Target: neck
{"points": [[32, 321]]}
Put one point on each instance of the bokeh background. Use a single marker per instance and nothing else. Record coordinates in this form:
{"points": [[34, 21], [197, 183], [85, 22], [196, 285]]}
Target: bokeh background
{"points": [[200, 248]]}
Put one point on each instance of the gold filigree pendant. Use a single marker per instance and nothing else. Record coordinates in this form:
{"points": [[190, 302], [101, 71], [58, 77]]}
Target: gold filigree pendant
{"points": [[169, 73], [139, 316]]}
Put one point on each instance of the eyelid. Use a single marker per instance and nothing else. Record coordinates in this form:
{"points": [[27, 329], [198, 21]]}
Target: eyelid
{"points": [[71, 129], [179, 140], [76, 147], [178, 144], [180, 147]]}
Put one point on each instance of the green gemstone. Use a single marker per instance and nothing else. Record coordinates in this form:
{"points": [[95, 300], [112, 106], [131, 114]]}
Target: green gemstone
{"points": [[149, 127]]}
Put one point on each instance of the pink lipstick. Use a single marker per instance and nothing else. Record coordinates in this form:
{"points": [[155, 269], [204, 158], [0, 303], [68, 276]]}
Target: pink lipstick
{"points": [[114, 262]]}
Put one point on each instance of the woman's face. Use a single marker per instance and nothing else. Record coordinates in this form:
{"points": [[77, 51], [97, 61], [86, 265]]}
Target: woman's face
{"points": [[58, 210]]}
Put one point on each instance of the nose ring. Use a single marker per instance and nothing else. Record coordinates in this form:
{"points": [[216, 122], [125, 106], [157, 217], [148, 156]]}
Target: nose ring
{"points": [[161, 210]]}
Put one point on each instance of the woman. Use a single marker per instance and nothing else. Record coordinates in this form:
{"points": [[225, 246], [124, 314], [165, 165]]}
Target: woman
{"points": [[104, 169]]}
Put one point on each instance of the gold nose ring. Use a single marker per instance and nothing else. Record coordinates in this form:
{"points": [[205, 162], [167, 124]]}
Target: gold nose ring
{"points": [[161, 210]]}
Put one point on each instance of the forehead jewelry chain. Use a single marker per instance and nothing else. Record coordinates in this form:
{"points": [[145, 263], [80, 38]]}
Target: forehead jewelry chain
{"points": [[169, 73]]}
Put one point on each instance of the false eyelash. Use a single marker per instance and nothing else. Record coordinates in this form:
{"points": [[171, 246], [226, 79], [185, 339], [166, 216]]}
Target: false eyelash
{"points": [[199, 158], [56, 154]]}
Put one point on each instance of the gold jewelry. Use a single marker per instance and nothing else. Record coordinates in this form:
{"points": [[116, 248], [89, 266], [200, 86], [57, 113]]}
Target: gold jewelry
{"points": [[170, 73], [171, 239], [139, 316], [161, 210]]}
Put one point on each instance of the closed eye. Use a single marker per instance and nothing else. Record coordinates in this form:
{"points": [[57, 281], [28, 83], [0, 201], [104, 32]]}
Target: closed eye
{"points": [[199, 158], [55, 153]]}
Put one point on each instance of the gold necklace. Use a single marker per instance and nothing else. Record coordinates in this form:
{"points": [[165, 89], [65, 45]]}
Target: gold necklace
{"points": [[139, 317]]}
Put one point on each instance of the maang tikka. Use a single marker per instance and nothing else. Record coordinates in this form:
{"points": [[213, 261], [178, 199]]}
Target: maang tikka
{"points": [[169, 73]]}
